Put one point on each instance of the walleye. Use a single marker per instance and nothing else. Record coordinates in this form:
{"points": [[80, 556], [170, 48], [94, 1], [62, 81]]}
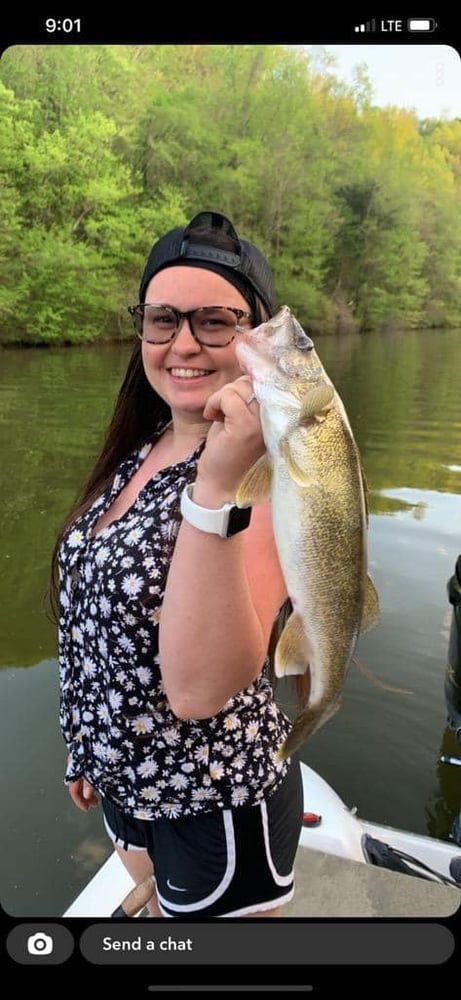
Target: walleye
{"points": [[313, 475]]}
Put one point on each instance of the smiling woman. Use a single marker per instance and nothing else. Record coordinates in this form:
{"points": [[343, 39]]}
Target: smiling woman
{"points": [[168, 595], [183, 368]]}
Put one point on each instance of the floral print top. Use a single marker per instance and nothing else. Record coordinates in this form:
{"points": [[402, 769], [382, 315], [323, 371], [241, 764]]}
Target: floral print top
{"points": [[119, 729]]}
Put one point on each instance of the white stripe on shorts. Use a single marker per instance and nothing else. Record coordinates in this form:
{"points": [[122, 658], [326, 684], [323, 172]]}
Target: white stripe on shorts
{"points": [[119, 840]]}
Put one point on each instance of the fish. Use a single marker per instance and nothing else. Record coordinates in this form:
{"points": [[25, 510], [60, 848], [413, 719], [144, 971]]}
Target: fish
{"points": [[313, 475]]}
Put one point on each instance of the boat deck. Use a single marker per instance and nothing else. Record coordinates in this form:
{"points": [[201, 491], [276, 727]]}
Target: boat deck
{"points": [[328, 886]]}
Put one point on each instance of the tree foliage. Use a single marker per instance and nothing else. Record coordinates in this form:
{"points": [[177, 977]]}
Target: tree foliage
{"points": [[103, 148]]}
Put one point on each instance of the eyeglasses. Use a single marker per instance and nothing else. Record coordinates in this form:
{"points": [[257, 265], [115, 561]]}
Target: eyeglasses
{"points": [[212, 326]]}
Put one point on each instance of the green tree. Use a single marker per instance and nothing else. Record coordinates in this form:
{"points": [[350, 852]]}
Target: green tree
{"points": [[104, 147]]}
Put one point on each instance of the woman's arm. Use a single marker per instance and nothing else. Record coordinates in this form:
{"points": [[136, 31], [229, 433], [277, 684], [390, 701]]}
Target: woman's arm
{"points": [[222, 594]]}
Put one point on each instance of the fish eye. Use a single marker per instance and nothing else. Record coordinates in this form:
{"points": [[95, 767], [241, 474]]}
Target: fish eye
{"points": [[302, 340]]}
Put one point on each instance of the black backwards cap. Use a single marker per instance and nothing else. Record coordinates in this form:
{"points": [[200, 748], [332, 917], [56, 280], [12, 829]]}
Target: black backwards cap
{"points": [[246, 268]]}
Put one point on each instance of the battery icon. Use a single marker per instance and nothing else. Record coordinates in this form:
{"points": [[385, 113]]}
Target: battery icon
{"points": [[421, 24]]}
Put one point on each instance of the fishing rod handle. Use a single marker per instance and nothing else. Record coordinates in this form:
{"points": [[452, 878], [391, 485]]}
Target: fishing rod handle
{"points": [[136, 899]]}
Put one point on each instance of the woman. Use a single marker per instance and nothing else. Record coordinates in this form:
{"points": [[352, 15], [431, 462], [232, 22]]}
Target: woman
{"points": [[167, 598]]}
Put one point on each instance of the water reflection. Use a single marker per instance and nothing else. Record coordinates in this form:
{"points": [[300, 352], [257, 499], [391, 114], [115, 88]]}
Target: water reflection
{"points": [[443, 809], [402, 398], [441, 511], [386, 503]]}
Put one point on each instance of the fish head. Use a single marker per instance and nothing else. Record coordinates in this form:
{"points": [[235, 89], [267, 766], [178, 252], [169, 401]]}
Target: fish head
{"points": [[281, 360]]}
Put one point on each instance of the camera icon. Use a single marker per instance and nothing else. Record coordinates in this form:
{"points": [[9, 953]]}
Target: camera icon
{"points": [[40, 944]]}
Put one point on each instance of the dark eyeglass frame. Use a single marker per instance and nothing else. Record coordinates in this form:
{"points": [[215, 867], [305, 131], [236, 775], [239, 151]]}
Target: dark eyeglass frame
{"points": [[137, 314]]}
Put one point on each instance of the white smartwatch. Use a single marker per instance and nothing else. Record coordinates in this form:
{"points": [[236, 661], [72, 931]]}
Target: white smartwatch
{"points": [[224, 521]]}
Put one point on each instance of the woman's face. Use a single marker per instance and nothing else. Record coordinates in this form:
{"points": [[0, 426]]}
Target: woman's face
{"points": [[183, 372]]}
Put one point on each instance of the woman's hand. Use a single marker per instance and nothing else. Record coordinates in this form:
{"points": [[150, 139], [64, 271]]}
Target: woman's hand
{"points": [[83, 794], [234, 442]]}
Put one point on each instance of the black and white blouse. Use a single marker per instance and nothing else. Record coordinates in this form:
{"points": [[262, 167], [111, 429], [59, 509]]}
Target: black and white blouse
{"points": [[119, 729]]}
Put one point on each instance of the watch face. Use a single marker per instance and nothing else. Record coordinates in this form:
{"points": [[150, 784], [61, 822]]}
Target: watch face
{"points": [[239, 519]]}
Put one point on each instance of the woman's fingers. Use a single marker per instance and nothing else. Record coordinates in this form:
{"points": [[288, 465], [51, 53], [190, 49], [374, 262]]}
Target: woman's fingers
{"points": [[222, 403], [89, 794], [235, 439], [83, 794]]}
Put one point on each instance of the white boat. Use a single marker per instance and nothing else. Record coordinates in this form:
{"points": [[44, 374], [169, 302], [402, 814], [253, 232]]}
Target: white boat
{"points": [[329, 826]]}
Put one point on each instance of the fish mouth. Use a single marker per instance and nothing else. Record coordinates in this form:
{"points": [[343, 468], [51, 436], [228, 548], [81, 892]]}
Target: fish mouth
{"points": [[280, 333], [255, 356], [295, 335]]}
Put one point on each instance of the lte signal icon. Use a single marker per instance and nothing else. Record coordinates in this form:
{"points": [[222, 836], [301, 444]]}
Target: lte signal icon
{"points": [[367, 26]]}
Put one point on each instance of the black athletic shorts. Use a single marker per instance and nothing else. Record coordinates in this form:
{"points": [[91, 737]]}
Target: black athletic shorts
{"points": [[226, 863]]}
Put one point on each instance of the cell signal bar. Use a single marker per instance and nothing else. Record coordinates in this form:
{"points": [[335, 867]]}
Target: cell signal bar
{"points": [[368, 26]]}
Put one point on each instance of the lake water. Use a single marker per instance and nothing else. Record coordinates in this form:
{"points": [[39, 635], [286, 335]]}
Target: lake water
{"points": [[381, 751]]}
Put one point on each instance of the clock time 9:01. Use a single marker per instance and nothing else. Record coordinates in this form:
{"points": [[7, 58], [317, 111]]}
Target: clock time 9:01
{"points": [[67, 25]]}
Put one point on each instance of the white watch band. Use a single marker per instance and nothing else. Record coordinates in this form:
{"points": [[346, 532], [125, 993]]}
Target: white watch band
{"points": [[208, 519]]}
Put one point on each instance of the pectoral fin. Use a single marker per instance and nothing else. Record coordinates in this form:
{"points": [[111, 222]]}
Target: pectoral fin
{"points": [[256, 485], [293, 649], [315, 401]]}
